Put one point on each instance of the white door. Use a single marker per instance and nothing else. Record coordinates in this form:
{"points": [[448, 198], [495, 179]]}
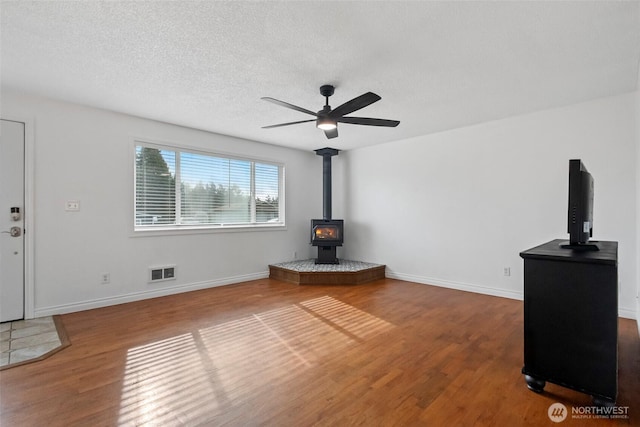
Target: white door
{"points": [[11, 220]]}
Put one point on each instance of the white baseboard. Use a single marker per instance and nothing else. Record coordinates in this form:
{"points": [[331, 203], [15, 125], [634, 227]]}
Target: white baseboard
{"points": [[137, 296], [626, 313], [638, 313], [469, 287]]}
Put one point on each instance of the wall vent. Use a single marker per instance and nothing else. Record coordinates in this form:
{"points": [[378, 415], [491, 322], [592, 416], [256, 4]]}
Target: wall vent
{"points": [[157, 274]]}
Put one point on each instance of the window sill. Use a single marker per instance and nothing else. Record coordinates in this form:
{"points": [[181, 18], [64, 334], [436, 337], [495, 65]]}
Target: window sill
{"points": [[194, 229]]}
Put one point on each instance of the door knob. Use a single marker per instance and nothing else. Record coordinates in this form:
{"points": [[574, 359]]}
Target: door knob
{"points": [[14, 231]]}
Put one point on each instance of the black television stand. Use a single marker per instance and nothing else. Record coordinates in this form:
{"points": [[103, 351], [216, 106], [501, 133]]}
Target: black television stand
{"points": [[571, 319], [580, 247]]}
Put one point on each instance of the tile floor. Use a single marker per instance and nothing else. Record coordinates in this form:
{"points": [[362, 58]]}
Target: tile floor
{"points": [[27, 339]]}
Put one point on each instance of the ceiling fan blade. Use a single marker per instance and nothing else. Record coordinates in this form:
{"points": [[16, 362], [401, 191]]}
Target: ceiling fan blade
{"points": [[287, 124], [355, 104], [368, 121], [333, 133], [287, 105]]}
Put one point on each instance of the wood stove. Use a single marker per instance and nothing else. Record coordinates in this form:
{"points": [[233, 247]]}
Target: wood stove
{"points": [[327, 233]]}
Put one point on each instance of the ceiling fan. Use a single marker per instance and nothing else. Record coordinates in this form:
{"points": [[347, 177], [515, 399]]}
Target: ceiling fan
{"points": [[327, 119]]}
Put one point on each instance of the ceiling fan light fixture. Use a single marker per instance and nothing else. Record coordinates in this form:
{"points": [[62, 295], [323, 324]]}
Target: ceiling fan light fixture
{"points": [[325, 123], [327, 119]]}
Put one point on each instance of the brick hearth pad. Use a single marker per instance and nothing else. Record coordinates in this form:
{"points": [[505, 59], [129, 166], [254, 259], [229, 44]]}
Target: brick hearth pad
{"points": [[306, 272]]}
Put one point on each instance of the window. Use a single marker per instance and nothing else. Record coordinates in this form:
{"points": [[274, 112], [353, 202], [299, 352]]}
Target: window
{"points": [[176, 188]]}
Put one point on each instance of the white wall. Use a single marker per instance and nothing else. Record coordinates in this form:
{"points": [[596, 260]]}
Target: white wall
{"points": [[637, 127], [450, 209], [86, 154], [455, 208]]}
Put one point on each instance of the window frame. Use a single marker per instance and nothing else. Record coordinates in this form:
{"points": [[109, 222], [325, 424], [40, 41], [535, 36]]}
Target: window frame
{"points": [[166, 229]]}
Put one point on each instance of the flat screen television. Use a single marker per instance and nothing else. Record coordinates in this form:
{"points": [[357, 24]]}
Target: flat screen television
{"points": [[580, 212]]}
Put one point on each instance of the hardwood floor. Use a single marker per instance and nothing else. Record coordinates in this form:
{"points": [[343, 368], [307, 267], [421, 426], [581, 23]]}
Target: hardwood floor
{"points": [[386, 353]]}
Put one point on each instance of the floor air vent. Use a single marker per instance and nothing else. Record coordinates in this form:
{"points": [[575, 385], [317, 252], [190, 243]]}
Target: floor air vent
{"points": [[157, 274]]}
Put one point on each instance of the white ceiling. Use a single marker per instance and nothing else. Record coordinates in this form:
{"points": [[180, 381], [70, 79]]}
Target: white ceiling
{"points": [[205, 65]]}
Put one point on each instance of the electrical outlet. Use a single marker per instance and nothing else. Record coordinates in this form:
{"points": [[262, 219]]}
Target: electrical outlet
{"points": [[105, 278], [72, 206], [507, 271]]}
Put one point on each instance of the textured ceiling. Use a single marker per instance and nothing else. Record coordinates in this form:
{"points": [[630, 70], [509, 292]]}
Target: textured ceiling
{"points": [[437, 65]]}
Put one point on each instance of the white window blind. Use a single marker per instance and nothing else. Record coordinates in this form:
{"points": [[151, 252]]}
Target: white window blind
{"points": [[178, 188]]}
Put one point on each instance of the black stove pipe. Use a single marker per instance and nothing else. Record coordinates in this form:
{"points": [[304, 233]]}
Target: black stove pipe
{"points": [[326, 154]]}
